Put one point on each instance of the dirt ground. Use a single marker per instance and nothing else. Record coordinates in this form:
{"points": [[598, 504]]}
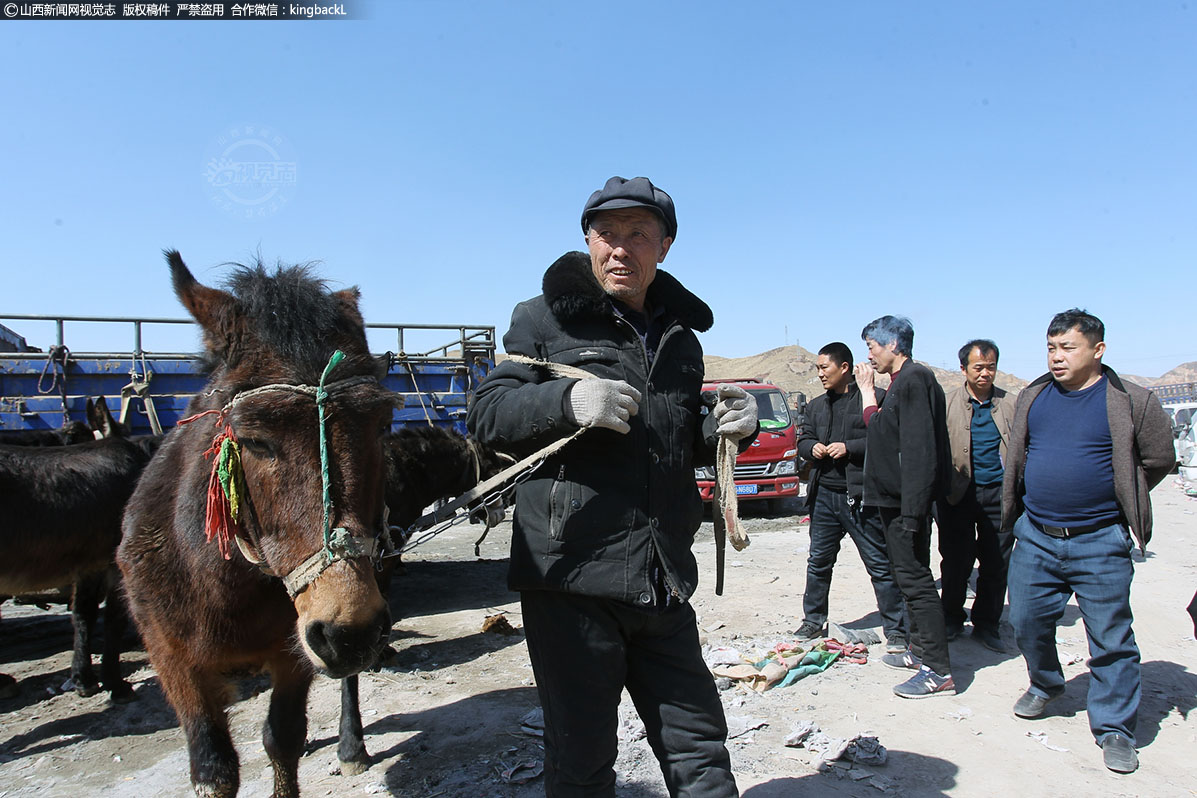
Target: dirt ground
{"points": [[444, 717]]}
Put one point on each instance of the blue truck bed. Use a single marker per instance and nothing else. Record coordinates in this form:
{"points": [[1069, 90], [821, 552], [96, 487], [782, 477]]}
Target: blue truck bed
{"points": [[435, 366]]}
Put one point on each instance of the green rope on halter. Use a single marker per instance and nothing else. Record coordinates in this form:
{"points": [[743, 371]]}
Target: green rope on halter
{"points": [[321, 401]]}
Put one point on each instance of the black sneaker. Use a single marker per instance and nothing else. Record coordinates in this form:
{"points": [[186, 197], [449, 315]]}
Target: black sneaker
{"points": [[989, 638], [1119, 754], [954, 630], [808, 631], [1031, 705]]}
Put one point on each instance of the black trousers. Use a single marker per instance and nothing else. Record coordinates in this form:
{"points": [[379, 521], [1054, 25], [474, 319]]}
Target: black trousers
{"points": [[969, 532], [833, 516], [910, 555], [584, 652]]}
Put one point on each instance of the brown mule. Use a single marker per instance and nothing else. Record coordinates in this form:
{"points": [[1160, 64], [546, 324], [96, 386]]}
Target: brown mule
{"points": [[293, 415], [423, 465]]}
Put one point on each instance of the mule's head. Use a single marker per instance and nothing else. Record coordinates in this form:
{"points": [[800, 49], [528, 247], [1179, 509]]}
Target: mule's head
{"points": [[103, 425], [269, 340], [425, 464]]}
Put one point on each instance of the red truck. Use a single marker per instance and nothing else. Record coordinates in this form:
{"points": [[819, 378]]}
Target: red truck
{"points": [[769, 469]]}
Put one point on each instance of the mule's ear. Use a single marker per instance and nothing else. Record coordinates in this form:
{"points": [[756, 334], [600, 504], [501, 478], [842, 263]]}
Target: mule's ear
{"points": [[101, 419], [215, 310], [348, 300], [382, 365], [206, 305]]}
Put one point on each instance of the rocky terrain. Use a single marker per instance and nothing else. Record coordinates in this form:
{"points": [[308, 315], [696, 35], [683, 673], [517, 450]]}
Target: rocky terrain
{"points": [[449, 716]]}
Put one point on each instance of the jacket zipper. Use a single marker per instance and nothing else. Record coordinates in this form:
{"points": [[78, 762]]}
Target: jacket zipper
{"points": [[648, 379], [643, 348], [557, 522]]}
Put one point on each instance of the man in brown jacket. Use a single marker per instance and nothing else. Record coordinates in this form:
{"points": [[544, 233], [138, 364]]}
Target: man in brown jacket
{"points": [[1085, 452], [970, 516]]}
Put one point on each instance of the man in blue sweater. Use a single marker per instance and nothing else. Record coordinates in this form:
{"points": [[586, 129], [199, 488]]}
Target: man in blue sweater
{"points": [[1085, 451]]}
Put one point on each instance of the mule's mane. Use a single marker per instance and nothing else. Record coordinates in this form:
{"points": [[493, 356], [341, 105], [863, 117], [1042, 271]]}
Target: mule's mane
{"points": [[293, 313], [422, 441]]}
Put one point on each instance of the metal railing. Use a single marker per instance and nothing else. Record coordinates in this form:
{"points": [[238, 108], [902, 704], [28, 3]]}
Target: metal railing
{"points": [[60, 327], [1176, 392], [469, 337], [476, 338]]}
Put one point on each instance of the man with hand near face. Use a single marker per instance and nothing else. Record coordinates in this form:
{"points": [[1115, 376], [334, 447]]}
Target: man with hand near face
{"points": [[1085, 451], [832, 439], [905, 464], [970, 515]]}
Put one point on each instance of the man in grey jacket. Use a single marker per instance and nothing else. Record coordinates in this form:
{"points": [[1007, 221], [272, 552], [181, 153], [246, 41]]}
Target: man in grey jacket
{"points": [[1085, 452], [601, 538], [970, 515]]}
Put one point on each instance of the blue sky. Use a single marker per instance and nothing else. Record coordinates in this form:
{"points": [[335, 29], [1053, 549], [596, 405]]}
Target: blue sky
{"points": [[974, 166]]}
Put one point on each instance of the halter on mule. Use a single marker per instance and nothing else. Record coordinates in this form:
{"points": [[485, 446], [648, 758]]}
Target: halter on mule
{"points": [[226, 487]]}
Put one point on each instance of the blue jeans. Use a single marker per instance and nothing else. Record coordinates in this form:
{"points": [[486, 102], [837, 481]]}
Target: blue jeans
{"points": [[830, 518], [1096, 566]]}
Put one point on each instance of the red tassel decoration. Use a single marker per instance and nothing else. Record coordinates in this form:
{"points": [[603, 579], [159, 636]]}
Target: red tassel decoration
{"points": [[220, 523]]}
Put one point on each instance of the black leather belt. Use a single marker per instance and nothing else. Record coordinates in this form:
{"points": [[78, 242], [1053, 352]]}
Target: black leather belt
{"points": [[1071, 531]]}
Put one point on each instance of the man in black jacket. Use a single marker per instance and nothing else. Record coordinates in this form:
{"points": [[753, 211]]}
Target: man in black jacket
{"points": [[907, 458], [601, 538], [832, 439]]}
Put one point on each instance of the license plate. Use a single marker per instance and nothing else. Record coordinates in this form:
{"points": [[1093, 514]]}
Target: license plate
{"points": [[745, 490]]}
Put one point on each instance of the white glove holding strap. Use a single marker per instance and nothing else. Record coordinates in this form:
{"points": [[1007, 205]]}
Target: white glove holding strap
{"points": [[735, 412], [602, 403]]}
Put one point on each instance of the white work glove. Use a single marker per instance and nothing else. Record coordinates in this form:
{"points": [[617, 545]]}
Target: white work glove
{"points": [[602, 403], [735, 412]]}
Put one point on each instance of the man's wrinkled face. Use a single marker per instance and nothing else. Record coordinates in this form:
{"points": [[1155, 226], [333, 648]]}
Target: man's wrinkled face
{"points": [[625, 247], [980, 371], [882, 357], [1074, 362], [833, 375]]}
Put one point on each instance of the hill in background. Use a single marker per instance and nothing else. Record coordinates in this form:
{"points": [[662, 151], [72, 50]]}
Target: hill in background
{"points": [[1185, 372], [792, 368]]}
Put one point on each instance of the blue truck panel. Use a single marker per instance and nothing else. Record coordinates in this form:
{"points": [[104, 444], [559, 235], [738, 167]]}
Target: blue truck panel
{"points": [[44, 390]]}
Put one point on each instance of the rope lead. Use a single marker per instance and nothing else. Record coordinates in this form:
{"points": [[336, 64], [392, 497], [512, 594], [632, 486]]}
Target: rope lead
{"points": [[321, 402]]}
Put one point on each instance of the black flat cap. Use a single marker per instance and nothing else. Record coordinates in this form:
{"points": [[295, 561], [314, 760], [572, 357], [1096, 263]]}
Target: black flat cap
{"points": [[639, 192]]}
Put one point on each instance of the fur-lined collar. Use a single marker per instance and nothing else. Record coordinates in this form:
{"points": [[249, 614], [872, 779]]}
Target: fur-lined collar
{"points": [[571, 291]]}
